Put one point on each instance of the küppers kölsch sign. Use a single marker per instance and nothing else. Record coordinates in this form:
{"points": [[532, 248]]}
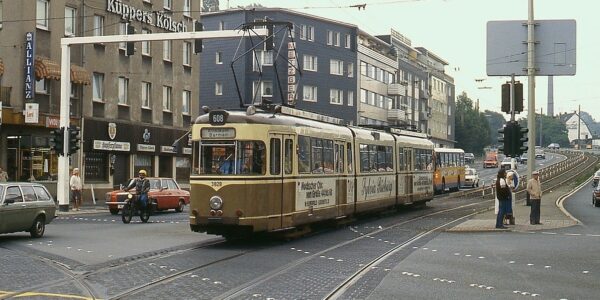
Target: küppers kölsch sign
{"points": [[154, 18]]}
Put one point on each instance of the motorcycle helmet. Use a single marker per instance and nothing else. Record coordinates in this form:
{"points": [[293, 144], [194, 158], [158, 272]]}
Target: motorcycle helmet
{"points": [[142, 172]]}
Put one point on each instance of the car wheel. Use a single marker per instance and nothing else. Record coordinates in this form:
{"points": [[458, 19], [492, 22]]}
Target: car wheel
{"points": [[114, 211], [180, 206], [38, 228]]}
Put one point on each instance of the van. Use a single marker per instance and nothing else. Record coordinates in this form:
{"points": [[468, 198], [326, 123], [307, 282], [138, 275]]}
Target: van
{"points": [[491, 160]]}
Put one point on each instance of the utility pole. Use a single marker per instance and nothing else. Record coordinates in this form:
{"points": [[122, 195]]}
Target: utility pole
{"points": [[541, 122], [579, 129], [531, 90]]}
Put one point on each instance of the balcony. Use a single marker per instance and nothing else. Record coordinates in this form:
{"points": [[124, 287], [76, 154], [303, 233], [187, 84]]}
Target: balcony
{"points": [[396, 89], [396, 115]]}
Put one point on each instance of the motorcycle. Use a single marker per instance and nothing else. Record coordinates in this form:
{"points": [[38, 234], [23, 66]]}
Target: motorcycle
{"points": [[132, 205]]}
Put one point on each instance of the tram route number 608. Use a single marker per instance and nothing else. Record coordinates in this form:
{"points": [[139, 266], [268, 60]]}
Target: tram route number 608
{"points": [[217, 117]]}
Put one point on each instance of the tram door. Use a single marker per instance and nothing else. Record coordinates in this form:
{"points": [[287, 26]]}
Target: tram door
{"points": [[281, 155], [410, 162]]}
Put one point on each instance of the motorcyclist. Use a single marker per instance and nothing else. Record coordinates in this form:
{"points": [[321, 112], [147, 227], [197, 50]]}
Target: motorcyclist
{"points": [[142, 187]]}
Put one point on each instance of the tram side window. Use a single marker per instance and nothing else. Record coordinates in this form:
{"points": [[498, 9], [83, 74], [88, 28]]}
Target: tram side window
{"points": [[401, 162], [339, 158], [275, 160], [288, 156], [253, 156], [429, 162], [389, 158], [328, 163], [317, 155], [349, 157], [304, 154], [364, 157], [372, 158]]}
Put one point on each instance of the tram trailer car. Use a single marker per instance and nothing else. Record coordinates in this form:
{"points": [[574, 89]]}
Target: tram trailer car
{"points": [[265, 172]]}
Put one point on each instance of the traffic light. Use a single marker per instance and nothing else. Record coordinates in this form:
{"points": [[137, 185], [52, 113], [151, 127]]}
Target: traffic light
{"points": [[198, 42], [73, 139], [57, 140], [130, 48], [518, 97], [505, 138], [523, 139], [506, 98]]}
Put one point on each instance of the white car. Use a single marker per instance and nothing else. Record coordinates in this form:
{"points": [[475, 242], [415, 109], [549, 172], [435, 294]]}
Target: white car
{"points": [[471, 177], [507, 164]]}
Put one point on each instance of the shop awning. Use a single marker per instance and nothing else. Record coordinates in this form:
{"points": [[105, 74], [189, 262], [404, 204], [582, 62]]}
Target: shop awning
{"points": [[46, 68], [1, 67], [80, 75]]}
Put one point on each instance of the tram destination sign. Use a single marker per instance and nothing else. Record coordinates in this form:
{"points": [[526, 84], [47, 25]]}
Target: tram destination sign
{"points": [[217, 133]]}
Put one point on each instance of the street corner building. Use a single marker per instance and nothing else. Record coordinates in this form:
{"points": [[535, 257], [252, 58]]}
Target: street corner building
{"points": [[131, 109]]}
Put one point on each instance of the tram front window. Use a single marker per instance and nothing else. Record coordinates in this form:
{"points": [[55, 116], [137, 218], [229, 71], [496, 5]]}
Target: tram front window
{"points": [[233, 158]]}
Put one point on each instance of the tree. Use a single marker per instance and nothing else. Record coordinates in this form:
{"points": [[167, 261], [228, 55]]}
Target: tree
{"points": [[472, 128], [553, 130], [496, 121]]}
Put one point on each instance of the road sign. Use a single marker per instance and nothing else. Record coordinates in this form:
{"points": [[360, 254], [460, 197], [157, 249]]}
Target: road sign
{"points": [[554, 48]]}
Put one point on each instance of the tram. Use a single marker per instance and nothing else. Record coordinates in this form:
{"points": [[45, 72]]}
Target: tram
{"points": [[284, 170], [449, 170]]}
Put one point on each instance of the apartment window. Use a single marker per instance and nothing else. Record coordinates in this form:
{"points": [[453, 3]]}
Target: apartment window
{"points": [[122, 90], [310, 63], [219, 57], [41, 86], [70, 14], [185, 105], [309, 93], [146, 44], [167, 4], [265, 89], [41, 14], [187, 53], [348, 41], [310, 33], [350, 69], [335, 96], [218, 88], [186, 7], [336, 39], [167, 98], [350, 98], [329, 37], [363, 95], [336, 67], [123, 30], [363, 68], [98, 87], [262, 58], [167, 45], [303, 30], [221, 25], [98, 25], [146, 94]]}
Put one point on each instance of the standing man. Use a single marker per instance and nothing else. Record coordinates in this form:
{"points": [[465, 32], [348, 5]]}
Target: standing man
{"points": [[534, 188], [76, 186], [3, 175]]}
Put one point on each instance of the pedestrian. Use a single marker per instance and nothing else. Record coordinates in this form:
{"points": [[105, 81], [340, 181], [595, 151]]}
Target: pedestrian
{"points": [[76, 186], [503, 196], [534, 188], [3, 175]]}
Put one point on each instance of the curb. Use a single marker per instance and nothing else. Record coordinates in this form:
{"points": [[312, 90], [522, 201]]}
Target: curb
{"points": [[561, 199]]}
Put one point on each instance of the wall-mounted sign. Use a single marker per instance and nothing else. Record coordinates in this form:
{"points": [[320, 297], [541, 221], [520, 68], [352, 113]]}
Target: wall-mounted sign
{"points": [[52, 122], [111, 146], [187, 150], [146, 135], [154, 18], [291, 96], [32, 112], [146, 148], [29, 65], [112, 130], [167, 149]]}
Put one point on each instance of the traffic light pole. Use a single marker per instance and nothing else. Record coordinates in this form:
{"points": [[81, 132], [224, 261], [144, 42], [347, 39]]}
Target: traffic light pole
{"points": [[62, 185], [513, 160]]}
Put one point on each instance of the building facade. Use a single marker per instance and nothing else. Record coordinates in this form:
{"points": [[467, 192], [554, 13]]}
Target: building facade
{"points": [[316, 67], [130, 109]]}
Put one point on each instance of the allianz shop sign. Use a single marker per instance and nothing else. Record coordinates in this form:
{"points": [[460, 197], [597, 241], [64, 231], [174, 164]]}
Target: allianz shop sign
{"points": [[153, 18]]}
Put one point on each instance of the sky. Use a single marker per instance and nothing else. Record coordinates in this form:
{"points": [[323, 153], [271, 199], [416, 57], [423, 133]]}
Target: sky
{"points": [[456, 31]]}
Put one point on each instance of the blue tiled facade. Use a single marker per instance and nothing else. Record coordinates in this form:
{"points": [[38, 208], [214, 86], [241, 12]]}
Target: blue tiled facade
{"points": [[212, 73]]}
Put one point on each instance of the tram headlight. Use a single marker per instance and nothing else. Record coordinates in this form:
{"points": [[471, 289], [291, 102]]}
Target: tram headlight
{"points": [[216, 202]]}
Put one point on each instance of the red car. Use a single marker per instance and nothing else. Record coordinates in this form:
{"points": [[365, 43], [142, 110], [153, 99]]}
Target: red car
{"points": [[165, 191]]}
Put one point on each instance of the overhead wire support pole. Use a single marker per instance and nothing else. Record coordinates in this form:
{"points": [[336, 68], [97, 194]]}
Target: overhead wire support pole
{"points": [[62, 184], [531, 89], [513, 161]]}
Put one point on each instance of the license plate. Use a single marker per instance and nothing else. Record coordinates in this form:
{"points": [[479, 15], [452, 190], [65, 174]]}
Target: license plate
{"points": [[120, 206]]}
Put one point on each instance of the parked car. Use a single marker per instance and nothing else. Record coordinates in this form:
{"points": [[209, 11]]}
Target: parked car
{"points": [[596, 178], [507, 164], [165, 191], [554, 146], [596, 196], [471, 177], [469, 158], [25, 206]]}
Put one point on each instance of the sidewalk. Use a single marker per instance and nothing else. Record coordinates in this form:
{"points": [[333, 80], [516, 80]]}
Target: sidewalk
{"points": [[83, 210], [552, 216]]}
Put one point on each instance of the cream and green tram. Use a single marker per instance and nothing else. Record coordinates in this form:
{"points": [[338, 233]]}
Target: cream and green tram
{"points": [[415, 167], [267, 172]]}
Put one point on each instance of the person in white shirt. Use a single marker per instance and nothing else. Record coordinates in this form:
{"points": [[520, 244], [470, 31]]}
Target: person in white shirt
{"points": [[76, 186]]}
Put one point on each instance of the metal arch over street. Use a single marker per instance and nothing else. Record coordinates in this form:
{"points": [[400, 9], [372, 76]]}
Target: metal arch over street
{"points": [[62, 186]]}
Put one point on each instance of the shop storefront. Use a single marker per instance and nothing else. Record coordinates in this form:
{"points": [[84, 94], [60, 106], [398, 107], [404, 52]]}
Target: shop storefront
{"points": [[113, 152]]}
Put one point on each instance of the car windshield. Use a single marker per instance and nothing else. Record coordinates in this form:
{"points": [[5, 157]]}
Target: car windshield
{"points": [[597, 174], [231, 157]]}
